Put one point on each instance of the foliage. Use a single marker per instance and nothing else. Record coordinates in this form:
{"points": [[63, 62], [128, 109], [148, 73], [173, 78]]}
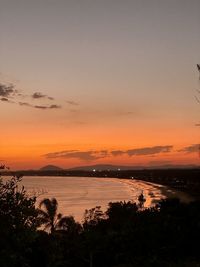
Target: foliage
{"points": [[18, 222], [126, 235], [52, 220], [92, 217]]}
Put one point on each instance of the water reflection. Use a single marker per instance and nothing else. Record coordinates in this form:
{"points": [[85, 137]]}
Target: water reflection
{"points": [[75, 194]]}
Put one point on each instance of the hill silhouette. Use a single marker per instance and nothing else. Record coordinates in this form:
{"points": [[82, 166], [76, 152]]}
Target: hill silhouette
{"points": [[50, 168], [109, 167]]}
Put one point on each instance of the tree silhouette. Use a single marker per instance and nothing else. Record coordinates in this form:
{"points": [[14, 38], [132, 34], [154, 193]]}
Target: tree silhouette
{"points": [[53, 220], [48, 215], [18, 223], [93, 216], [69, 225], [141, 200]]}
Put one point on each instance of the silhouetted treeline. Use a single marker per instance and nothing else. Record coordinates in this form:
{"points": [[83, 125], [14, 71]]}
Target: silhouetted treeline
{"points": [[187, 180], [126, 235]]}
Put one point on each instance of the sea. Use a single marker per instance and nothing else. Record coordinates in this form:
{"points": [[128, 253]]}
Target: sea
{"points": [[76, 194]]}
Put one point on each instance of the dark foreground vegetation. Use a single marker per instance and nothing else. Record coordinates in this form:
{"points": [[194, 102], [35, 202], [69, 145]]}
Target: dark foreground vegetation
{"points": [[186, 180], [126, 235]]}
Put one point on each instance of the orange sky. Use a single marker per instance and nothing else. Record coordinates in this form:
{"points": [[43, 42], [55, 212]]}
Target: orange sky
{"points": [[25, 147], [79, 82]]}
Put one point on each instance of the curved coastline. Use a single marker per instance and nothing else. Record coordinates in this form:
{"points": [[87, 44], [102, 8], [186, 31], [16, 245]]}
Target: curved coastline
{"points": [[75, 194], [154, 192]]}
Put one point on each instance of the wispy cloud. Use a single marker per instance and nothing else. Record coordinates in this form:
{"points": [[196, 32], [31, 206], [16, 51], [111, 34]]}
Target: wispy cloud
{"points": [[149, 150], [4, 99], [38, 95], [54, 106], [72, 103], [47, 107], [24, 104], [7, 91], [117, 152], [82, 155], [144, 151], [190, 149], [42, 107], [90, 155], [39, 106]]}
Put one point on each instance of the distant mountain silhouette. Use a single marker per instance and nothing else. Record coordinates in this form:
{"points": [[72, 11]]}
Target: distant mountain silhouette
{"points": [[50, 168], [107, 167], [174, 166]]}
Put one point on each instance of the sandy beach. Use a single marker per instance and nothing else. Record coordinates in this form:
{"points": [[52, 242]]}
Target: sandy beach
{"points": [[155, 192]]}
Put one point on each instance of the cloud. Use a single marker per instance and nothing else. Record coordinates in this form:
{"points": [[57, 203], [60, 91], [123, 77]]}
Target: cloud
{"points": [[7, 90], [190, 149], [82, 155], [144, 151], [73, 103], [98, 154], [24, 104], [47, 107], [38, 95], [160, 162], [103, 153], [39, 106], [149, 150], [54, 106], [5, 99], [117, 152]]}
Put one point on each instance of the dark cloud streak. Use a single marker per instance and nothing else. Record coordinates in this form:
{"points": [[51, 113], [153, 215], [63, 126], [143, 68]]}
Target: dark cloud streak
{"points": [[98, 154], [72, 103], [54, 106], [149, 150], [117, 152], [47, 107], [82, 155], [39, 106], [7, 90], [4, 99], [38, 95], [24, 104], [190, 149]]}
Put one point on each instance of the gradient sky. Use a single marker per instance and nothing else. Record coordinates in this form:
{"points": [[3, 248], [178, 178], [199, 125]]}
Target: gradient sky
{"points": [[99, 81]]}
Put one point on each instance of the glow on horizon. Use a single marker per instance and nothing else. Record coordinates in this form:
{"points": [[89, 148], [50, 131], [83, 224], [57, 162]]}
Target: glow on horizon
{"points": [[115, 75]]}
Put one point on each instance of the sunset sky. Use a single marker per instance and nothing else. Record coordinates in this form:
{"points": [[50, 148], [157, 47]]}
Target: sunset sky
{"points": [[86, 82]]}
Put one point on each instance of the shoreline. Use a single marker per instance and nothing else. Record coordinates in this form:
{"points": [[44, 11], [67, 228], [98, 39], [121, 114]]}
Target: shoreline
{"points": [[176, 180], [76, 202], [172, 193], [166, 190], [161, 192]]}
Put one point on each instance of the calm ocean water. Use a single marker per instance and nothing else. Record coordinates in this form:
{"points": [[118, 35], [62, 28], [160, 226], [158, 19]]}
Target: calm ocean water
{"points": [[75, 194]]}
